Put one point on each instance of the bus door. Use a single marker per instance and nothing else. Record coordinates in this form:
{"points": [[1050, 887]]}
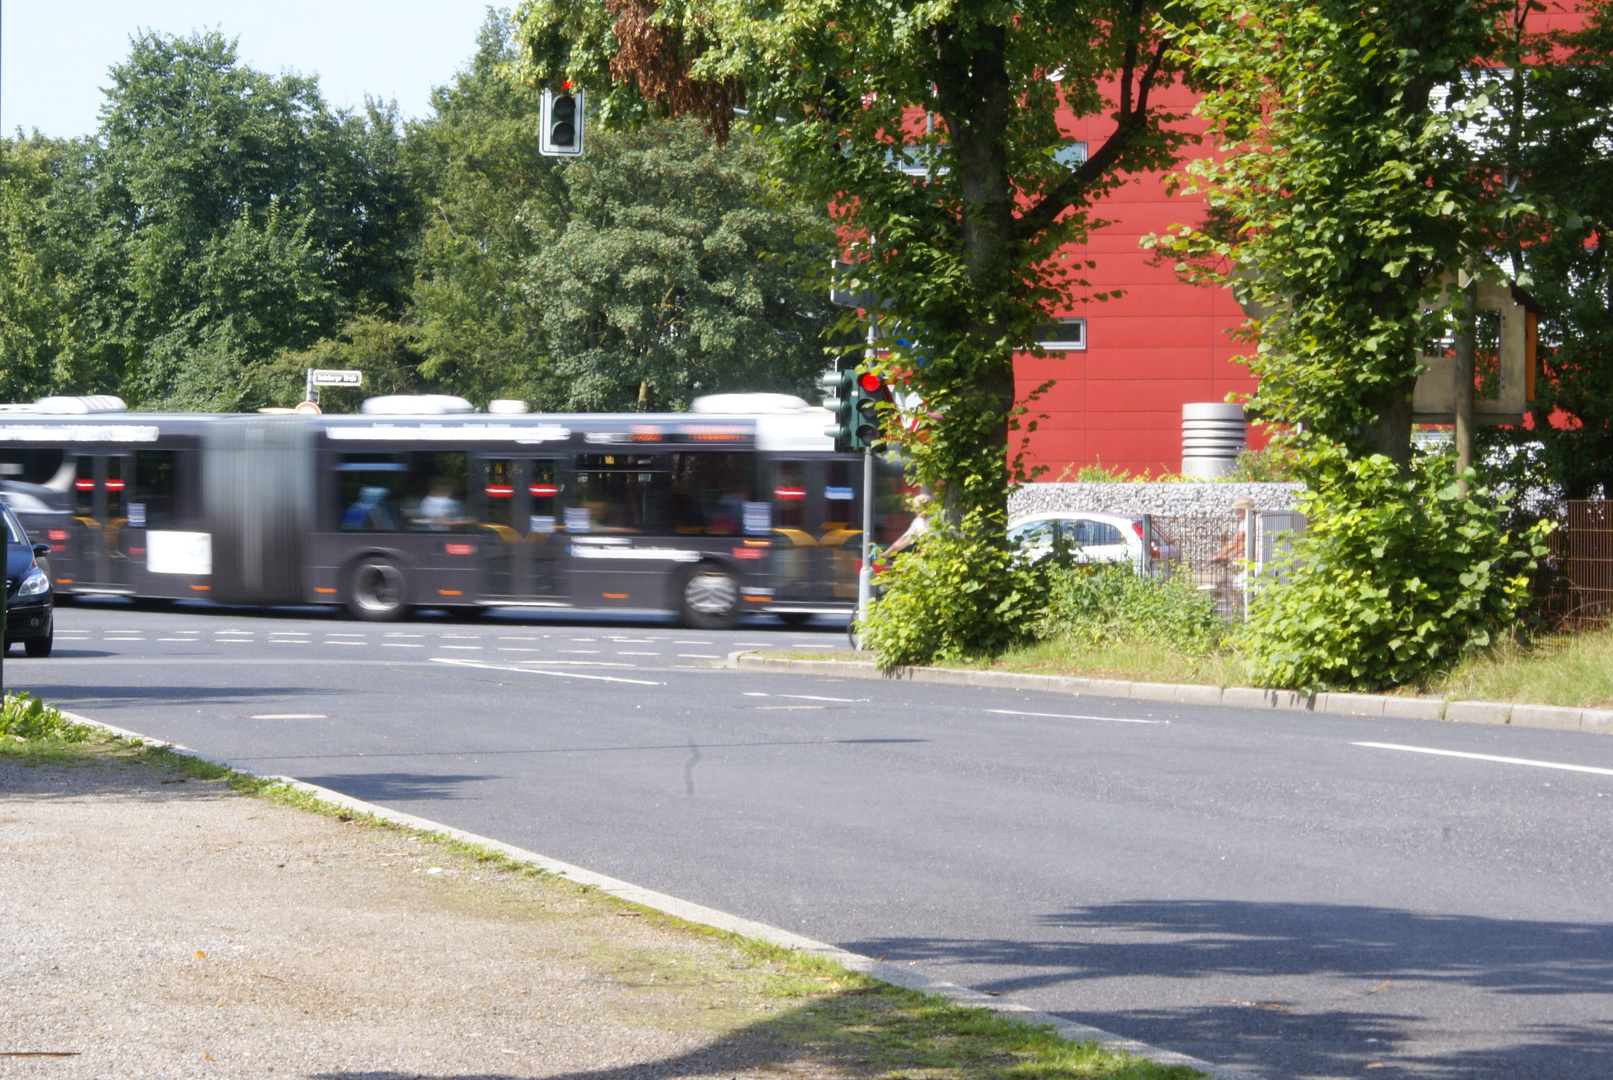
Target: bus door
{"points": [[99, 542], [518, 514], [817, 530]]}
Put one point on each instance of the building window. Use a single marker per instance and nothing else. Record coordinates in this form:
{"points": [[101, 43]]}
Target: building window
{"points": [[1066, 335], [1071, 154]]}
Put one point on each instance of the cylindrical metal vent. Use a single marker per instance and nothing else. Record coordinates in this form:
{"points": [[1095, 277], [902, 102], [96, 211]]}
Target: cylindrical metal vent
{"points": [[1213, 433]]}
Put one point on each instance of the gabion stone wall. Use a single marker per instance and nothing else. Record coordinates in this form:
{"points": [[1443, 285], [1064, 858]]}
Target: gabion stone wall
{"points": [[1173, 500]]}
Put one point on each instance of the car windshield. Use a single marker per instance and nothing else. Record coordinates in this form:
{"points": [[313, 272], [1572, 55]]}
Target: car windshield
{"points": [[14, 534]]}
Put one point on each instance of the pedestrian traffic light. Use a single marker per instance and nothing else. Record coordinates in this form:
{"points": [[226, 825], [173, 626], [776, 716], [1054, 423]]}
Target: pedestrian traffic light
{"points": [[562, 122]]}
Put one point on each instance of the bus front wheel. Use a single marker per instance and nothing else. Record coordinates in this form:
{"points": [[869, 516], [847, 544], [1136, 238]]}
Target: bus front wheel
{"points": [[377, 591], [710, 598]]}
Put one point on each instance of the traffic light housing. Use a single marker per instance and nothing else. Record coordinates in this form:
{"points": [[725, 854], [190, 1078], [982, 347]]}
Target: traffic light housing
{"points": [[561, 122], [854, 398]]}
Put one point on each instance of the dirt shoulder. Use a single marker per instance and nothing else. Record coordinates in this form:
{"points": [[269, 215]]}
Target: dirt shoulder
{"points": [[163, 925]]}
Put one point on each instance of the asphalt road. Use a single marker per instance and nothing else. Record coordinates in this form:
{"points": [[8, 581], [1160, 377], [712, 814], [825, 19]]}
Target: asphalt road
{"points": [[1258, 889]]}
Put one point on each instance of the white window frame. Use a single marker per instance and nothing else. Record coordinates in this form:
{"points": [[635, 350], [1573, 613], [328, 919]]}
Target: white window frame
{"points": [[1066, 346]]}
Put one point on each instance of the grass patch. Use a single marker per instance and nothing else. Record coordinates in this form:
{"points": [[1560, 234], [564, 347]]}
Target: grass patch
{"points": [[787, 1006], [1123, 658], [1574, 670]]}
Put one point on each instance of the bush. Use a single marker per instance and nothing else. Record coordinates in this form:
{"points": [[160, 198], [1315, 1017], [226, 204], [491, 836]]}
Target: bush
{"points": [[1397, 578], [1109, 602], [27, 718], [955, 595]]}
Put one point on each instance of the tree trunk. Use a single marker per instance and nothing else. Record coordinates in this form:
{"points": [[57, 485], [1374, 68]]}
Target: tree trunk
{"points": [[1390, 434]]}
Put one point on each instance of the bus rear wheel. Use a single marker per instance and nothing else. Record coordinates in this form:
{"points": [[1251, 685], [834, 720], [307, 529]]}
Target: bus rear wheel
{"points": [[710, 598], [377, 590]]}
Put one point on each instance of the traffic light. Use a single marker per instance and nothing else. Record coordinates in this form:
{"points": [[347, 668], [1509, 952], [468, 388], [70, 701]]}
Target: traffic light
{"points": [[562, 116], [841, 391], [870, 392], [854, 398]]}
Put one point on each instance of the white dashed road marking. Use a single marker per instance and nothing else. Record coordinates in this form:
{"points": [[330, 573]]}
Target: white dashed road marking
{"points": [[1488, 757], [1074, 716]]}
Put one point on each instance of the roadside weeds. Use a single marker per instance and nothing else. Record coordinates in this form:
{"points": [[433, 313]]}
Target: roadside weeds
{"points": [[728, 1003]]}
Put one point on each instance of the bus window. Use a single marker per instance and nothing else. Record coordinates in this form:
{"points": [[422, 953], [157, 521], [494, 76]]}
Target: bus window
{"points": [[84, 487], [790, 495], [154, 503], [709, 492], [622, 493], [842, 509], [31, 466], [417, 492], [892, 498]]}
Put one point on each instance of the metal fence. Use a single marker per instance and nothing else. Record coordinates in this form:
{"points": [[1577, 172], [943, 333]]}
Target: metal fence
{"points": [[1215, 554], [1582, 548]]}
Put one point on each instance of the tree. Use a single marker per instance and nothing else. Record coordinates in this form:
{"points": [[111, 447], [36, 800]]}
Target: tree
{"points": [[490, 201], [676, 273], [931, 131], [41, 244], [1347, 184], [236, 215], [1553, 113]]}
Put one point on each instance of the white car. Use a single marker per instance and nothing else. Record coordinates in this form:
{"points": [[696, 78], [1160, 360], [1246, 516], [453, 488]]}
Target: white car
{"points": [[1093, 537]]}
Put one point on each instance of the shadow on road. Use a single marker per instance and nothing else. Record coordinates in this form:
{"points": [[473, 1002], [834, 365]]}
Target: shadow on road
{"points": [[379, 787], [1374, 954]]}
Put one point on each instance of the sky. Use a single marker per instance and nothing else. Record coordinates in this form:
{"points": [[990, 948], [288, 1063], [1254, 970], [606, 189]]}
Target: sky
{"points": [[54, 54]]}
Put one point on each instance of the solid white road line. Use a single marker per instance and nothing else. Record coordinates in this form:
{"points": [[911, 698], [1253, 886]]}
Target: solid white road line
{"points": [[484, 666], [1075, 716], [1488, 757], [290, 716], [698, 656], [806, 697]]}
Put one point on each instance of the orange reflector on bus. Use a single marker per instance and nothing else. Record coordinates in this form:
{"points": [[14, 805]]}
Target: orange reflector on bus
{"points": [[614, 595], [758, 599], [449, 592], [201, 588], [459, 549], [321, 591]]}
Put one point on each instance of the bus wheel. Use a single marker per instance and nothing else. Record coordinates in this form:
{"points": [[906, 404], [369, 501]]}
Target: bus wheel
{"points": [[710, 599], [377, 590]]}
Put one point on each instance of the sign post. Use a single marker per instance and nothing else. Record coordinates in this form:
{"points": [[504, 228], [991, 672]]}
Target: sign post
{"points": [[318, 377]]}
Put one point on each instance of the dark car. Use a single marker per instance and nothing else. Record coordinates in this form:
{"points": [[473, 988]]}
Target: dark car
{"points": [[30, 601]]}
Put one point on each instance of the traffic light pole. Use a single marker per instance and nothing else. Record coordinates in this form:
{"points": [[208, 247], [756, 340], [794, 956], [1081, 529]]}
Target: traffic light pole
{"points": [[865, 576]]}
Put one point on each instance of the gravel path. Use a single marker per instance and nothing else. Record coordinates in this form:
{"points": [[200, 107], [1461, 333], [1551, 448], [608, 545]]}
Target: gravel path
{"points": [[154, 927]]}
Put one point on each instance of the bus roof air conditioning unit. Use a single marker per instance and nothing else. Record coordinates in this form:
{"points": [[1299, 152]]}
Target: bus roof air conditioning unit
{"points": [[416, 405], [79, 406], [749, 404]]}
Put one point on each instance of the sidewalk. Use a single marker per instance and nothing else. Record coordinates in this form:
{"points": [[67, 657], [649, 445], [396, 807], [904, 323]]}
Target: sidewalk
{"points": [[161, 925]]}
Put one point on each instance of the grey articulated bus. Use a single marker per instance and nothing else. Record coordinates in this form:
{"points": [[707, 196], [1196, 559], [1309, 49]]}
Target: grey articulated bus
{"points": [[741, 506]]}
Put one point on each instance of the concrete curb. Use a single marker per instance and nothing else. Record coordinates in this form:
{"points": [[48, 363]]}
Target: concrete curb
{"points": [[1552, 717], [700, 915]]}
